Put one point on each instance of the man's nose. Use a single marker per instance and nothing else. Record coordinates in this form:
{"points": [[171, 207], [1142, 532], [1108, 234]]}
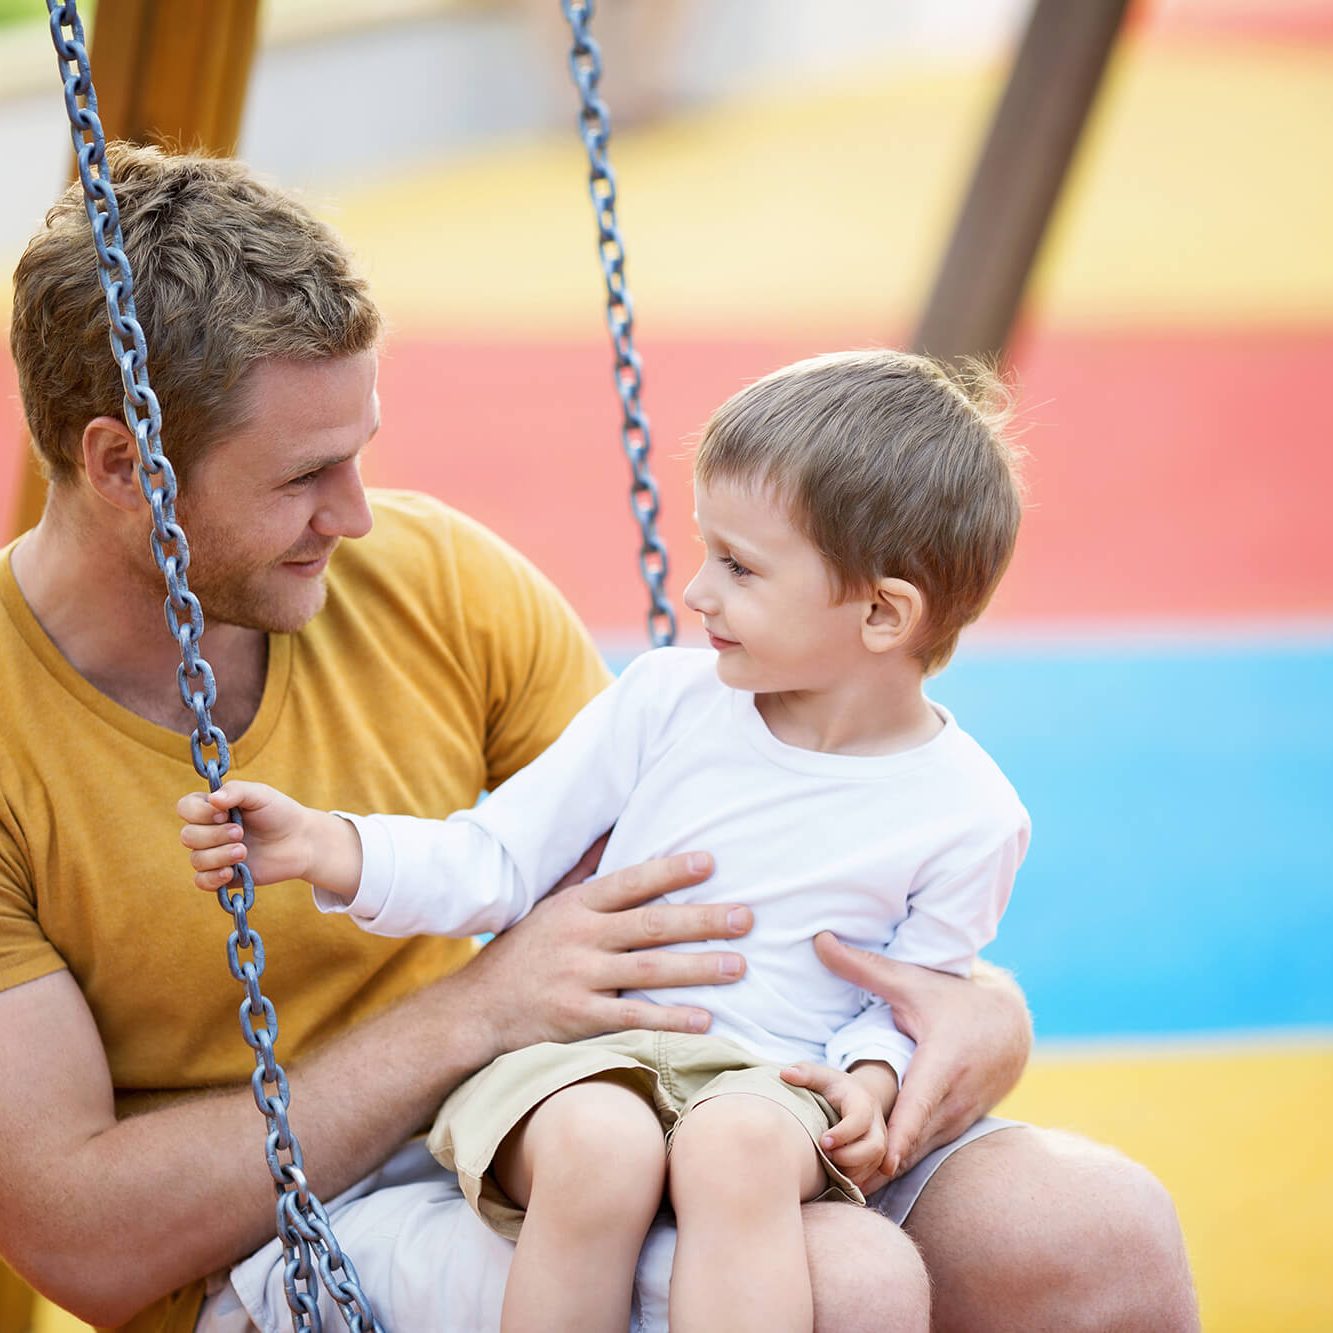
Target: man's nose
{"points": [[346, 510]]}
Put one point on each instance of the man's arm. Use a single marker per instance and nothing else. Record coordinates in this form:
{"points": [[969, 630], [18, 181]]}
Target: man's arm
{"points": [[973, 1039], [185, 1188]]}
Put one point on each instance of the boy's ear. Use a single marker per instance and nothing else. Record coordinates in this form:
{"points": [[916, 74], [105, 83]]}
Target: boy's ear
{"points": [[894, 613], [111, 462]]}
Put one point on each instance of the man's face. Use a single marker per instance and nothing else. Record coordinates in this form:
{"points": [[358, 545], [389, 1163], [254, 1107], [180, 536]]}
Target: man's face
{"points": [[267, 504], [766, 596]]}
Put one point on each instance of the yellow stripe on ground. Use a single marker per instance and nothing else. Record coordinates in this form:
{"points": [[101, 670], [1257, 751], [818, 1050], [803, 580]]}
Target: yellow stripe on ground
{"points": [[1201, 197], [1240, 1138]]}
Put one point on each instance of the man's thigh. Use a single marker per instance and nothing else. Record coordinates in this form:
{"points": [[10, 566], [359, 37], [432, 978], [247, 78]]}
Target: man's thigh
{"points": [[1038, 1229]]}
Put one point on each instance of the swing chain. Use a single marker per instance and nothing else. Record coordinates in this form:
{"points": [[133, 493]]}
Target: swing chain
{"points": [[312, 1253], [585, 66]]}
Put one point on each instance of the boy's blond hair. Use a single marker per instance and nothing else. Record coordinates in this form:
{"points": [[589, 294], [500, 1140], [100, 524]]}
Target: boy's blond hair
{"points": [[893, 465], [227, 272]]}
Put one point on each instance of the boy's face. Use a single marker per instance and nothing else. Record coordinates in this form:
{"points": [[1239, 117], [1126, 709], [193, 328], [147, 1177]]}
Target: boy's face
{"points": [[766, 596]]}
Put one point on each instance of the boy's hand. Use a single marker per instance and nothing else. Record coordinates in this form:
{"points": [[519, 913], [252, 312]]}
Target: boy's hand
{"points": [[858, 1142], [283, 839]]}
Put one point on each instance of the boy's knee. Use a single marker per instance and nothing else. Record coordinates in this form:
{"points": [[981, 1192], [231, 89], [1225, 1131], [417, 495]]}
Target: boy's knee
{"points": [[739, 1132], [598, 1132]]}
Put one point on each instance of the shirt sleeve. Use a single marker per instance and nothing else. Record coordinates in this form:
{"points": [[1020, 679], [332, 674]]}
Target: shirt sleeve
{"points": [[949, 921], [25, 951], [483, 869]]}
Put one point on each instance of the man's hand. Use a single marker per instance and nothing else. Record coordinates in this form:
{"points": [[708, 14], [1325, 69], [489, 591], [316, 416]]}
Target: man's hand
{"points": [[858, 1142], [557, 974], [973, 1038]]}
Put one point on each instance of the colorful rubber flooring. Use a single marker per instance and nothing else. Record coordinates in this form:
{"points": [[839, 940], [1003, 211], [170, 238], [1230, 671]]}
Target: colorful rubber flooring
{"points": [[1157, 672]]}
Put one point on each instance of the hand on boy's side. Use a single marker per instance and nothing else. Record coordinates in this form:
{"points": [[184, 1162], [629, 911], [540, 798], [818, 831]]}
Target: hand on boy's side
{"points": [[862, 1098], [282, 839], [973, 1038], [558, 974]]}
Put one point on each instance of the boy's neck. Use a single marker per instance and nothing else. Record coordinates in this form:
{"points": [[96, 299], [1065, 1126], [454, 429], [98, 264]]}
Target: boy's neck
{"points": [[883, 712]]}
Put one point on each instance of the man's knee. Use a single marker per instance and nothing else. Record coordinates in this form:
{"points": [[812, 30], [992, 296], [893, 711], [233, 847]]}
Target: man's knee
{"points": [[865, 1273], [1044, 1230]]}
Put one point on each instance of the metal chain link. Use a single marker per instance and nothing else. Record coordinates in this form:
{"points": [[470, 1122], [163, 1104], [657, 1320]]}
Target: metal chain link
{"points": [[585, 65], [310, 1248]]}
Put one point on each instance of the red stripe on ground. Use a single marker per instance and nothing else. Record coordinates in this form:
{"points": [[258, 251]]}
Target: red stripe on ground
{"points": [[1171, 477]]}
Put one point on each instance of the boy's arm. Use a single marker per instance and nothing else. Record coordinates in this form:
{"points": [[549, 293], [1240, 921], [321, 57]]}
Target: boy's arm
{"points": [[483, 869]]}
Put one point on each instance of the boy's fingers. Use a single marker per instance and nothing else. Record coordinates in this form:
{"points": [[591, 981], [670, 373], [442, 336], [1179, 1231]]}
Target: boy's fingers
{"points": [[199, 836], [847, 1130], [212, 880], [216, 858], [196, 808], [807, 1074]]}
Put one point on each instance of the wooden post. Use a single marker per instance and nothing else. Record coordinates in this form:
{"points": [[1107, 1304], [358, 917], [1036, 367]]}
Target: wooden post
{"points": [[174, 75], [1017, 180]]}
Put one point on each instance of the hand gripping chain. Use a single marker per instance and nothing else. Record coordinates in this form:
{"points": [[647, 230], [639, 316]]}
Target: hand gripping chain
{"points": [[585, 65], [309, 1245]]}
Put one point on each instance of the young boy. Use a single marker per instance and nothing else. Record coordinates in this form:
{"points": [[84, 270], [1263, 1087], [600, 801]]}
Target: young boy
{"points": [[857, 510]]}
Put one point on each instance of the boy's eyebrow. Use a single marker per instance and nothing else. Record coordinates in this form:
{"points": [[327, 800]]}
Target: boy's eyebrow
{"points": [[741, 548]]}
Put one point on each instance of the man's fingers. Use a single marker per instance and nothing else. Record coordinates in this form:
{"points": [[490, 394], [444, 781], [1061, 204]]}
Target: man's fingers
{"points": [[907, 1121], [656, 924], [632, 885], [623, 1015], [870, 971], [649, 969]]}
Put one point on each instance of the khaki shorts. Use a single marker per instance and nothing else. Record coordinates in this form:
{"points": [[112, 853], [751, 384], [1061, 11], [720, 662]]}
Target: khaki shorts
{"points": [[674, 1071]]}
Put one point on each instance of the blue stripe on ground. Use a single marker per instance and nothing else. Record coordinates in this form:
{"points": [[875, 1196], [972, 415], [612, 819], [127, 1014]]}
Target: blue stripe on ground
{"points": [[1181, 871]]}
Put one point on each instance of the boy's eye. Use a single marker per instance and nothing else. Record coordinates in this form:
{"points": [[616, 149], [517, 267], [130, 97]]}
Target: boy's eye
{"points": [[734, 566]]}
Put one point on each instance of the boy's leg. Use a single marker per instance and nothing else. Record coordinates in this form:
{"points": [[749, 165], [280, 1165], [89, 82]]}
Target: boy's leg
{"points": [[740, 1167], [588, 1166]]}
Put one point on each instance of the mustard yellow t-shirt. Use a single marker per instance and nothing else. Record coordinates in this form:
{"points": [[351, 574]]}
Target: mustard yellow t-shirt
{"points": [[441, 663]]}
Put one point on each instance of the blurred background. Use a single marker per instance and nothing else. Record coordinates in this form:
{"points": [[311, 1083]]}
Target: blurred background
{"points": [[1155, 675]]}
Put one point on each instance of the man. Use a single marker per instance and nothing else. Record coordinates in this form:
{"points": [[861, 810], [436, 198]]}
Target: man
{"points": [[404, 670]]}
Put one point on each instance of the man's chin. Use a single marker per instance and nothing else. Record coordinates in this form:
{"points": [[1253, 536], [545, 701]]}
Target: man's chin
{"points": [[265, 611]]}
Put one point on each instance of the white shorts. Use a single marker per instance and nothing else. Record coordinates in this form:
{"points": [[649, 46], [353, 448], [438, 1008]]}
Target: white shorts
{"points": [[430, 1265]]}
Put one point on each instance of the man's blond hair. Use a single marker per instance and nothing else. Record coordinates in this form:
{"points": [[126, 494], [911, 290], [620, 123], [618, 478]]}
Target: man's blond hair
{"points": [[893, 465], [228, 272]]}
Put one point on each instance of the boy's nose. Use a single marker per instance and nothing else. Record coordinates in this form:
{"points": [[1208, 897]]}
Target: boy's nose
{"points": [[697, 596]]}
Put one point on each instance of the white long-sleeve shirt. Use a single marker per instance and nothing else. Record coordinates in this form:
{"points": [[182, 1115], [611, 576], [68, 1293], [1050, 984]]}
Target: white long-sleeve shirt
{"points": [[911, 854]]}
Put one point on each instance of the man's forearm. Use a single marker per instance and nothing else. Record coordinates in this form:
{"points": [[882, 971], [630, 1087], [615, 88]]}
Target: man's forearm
{"points": [[186, 1189]]}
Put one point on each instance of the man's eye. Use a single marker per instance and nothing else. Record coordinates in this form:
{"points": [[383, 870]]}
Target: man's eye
{"points": [[303, 480]]}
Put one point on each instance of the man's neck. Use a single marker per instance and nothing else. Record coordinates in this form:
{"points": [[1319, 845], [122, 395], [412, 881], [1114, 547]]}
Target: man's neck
{"points": [[105, 617]]}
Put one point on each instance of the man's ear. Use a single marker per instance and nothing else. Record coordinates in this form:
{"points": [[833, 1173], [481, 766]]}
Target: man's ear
{"points": [[894, 613], [111, 462]]}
